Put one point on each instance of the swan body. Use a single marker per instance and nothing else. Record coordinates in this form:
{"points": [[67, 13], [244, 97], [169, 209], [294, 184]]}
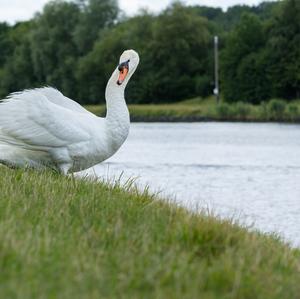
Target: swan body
{"points": [[42, 128]]}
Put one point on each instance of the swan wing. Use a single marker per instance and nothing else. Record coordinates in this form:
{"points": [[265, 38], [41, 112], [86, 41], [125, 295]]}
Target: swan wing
{"points": [[55, 96], [29, 119]]}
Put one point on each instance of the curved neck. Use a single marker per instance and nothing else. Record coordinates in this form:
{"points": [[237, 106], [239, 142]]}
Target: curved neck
{"points": [[117, 111]]}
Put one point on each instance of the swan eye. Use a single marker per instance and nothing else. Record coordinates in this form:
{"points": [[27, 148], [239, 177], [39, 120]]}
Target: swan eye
{"points": [[124, 65], [124, 70]]}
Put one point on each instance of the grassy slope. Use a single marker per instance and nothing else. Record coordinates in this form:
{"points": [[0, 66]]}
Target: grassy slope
{"points": [[206, 109], [61, 238]]}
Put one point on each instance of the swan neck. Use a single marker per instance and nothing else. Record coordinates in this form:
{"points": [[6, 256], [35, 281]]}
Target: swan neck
{"points": [[115, 100]]}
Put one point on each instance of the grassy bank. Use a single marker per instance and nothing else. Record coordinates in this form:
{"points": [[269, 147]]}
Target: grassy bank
{"points": [[66, 238], [206, 110]]}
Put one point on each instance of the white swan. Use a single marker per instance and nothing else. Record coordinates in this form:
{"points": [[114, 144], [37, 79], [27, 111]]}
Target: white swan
{"points": [[42, 128]]}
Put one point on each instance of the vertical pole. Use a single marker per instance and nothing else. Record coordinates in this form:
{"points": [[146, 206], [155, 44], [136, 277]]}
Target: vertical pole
{"points": [[217, 89]]}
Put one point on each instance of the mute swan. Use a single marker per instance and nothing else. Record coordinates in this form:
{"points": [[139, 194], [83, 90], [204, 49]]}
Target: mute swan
{"points": [[42, 128]]}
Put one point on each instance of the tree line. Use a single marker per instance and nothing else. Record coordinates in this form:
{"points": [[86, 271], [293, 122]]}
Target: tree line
{"points": [[74, 46]]}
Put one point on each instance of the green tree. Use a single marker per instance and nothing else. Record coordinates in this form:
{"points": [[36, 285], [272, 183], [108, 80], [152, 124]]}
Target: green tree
{"points": [[95, 68], [95, 16], [54, 52], [180, 53], [5, 44], [17, 69], [175, 61], [74, 46], [244, 75], [284, 50]]}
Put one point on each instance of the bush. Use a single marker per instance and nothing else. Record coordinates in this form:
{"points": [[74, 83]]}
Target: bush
{"points": [[242, 110], [276, 109], [224, 111], [263, 112], [293, 112]]}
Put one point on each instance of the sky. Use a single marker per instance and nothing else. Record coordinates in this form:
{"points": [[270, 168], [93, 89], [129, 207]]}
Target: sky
{"points": [[19, 10]]}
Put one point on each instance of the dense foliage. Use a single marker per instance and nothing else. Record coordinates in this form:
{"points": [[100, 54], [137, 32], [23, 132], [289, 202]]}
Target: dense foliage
{"points": [[75, 45]]}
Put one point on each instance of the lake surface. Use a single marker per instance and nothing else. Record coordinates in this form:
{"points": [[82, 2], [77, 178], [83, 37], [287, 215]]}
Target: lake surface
{"points": [[250, 172]]}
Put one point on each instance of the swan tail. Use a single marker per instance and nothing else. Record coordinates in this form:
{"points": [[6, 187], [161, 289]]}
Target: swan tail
{"points": [[15, 155]]}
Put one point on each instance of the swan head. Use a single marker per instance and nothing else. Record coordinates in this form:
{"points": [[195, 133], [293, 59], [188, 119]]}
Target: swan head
{"points": [[129, 61]]}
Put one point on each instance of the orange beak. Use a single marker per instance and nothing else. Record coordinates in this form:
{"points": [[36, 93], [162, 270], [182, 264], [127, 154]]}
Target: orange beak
{"points": [[122, 75]]}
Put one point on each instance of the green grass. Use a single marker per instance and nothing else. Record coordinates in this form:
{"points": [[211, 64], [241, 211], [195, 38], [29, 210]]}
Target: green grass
{"points": [[66, 238], [199, 109]]}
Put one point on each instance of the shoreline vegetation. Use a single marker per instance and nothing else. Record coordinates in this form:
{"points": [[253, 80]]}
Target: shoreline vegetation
{"points": [[198, 110], [66, 238]]}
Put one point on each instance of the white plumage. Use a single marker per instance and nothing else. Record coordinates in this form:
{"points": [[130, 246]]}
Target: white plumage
{"points": [[42, 128]]}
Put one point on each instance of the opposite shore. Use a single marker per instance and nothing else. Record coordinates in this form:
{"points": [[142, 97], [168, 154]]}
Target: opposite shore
{"points": [[199, 110]]}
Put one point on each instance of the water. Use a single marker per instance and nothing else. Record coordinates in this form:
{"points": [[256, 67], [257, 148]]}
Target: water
{"points": [[250, 172]]}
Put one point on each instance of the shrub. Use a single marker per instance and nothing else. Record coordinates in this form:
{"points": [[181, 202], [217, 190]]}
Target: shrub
{"points": [[224, 111], [242, 110], [276, 109], [263, 111], [293, 112]]}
